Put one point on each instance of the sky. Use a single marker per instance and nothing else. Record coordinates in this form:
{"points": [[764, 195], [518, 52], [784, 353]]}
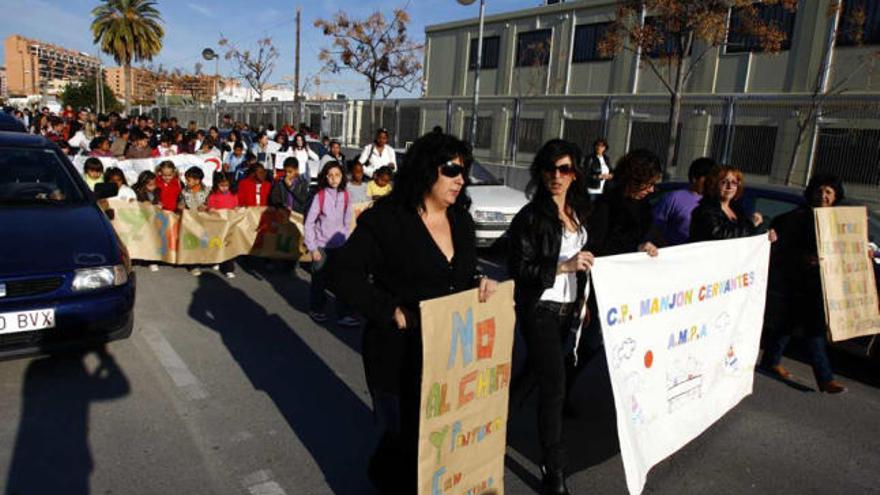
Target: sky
{"points": [[191, 25]]}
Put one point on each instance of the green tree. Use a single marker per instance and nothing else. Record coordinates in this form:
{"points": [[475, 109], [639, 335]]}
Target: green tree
{"points": [[83, 93], [129, 31]]}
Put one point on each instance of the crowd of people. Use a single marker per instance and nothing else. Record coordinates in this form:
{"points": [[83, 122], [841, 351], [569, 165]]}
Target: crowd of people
{"points": [[417, 242]]}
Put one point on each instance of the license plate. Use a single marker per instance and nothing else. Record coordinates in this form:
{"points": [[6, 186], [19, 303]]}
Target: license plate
{"points": [[26, 321]]}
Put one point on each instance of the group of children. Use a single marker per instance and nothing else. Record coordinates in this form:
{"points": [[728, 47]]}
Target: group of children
{"points": [[328, 210]]}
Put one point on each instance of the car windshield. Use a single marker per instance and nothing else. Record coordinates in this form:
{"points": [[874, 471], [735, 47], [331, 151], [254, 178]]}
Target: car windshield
{"points": [[35, 176], [481, 176]]}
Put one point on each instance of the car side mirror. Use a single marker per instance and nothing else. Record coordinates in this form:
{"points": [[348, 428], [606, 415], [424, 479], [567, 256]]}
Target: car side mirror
{"points": [[104, 190]]}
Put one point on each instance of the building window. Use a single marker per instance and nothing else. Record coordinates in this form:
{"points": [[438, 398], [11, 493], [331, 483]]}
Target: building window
{"points": [[582, 133], [530, 135], [586, 43], [491, 45], [752, 148], [851, 154], [484, 131], [653, 136], [859, 23], [775, 14], [533, 48]]}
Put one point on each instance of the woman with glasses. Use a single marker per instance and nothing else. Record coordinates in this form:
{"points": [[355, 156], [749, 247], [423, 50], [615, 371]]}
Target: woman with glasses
{"points": [[417, 243], [719, 214], [378, 154], [621, 221], [549, 263]]}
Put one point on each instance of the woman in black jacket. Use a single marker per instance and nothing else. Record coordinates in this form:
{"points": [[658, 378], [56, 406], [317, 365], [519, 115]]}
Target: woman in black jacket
{"points": [[719, 215], [418, 243], [598, 167], [621, 221], [549, 264]]}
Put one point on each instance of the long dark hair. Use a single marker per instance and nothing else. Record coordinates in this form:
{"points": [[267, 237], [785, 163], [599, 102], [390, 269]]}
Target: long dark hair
{"points": [[577, 198], [322, 176], [418, 174]]}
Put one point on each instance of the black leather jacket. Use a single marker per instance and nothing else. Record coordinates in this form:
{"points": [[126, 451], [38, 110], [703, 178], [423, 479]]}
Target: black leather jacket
{"points": [[709, 222], [535, 241], [594, 170]]}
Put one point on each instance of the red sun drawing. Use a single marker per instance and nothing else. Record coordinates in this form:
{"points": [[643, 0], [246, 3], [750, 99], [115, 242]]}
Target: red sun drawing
{"points": [[649, 359]]}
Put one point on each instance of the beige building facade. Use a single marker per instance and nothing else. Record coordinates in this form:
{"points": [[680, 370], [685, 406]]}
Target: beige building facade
{"points": [[33, 65], [569, 89]]}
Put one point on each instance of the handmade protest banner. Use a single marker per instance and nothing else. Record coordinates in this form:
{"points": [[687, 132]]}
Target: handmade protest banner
{"points": [[217, 236], [149, 233], [681, 334], [467, 348], [279, 235], [848, 282]]}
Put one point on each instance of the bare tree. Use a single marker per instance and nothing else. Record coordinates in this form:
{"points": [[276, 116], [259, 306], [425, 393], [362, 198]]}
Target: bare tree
{"points": [[678, 34], [849, 27], [255, 67], [377, 48]]}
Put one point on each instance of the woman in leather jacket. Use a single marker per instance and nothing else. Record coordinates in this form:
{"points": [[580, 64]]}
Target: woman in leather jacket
{"points": [[719, 215], [549, 263], [598, 167]]}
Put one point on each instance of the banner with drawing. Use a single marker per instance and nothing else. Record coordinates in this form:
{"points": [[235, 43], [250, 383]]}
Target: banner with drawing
{"points": [[848, 283], [132, 168], [151, 234], [681, 335], [467, 348]]}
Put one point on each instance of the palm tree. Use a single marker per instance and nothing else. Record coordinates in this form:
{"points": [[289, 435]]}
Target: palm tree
{"points": [[128, 30]]}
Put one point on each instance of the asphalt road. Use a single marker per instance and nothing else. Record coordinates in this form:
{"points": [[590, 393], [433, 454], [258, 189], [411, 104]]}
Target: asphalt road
{"points": [[226, 386]]}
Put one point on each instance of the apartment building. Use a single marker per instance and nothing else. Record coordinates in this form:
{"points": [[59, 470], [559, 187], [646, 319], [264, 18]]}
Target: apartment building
{"points": [[33, 65]]}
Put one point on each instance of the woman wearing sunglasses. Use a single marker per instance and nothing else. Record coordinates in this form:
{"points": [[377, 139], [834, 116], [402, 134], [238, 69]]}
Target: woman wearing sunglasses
{"points": [[719, 214], [549, 263], [415, 244]]}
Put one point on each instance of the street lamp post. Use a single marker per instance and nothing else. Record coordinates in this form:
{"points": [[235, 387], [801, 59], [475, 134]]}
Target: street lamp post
{"points": [[477, 67], [209, 54]]}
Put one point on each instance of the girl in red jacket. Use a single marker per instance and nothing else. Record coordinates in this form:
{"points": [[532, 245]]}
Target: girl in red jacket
{"points": [[254, 189], [168, 185], [221, 198]]}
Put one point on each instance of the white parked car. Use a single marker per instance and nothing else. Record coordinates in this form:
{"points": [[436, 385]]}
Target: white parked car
{"points": [[493, 205]]}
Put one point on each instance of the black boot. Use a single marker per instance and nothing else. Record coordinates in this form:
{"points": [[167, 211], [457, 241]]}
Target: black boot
{"points": [[553, 482]]}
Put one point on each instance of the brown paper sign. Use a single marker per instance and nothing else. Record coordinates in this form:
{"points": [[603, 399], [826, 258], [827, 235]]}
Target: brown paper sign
{"points": [[467, 347], [848, 282]]}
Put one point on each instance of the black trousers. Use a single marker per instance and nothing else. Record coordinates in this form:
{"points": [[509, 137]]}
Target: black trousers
{"points": [[548, 338]]}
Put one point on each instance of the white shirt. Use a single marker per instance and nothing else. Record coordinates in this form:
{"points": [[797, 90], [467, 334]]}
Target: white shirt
{"points": [[377, 160], [605, 170], [126, 193], [564, 288], [308, 162]]}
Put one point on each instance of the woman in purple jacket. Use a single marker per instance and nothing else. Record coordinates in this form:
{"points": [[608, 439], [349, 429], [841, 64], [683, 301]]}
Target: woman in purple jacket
{"points": [[326, 230]]}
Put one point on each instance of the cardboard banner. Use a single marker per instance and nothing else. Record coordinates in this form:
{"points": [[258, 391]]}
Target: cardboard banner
{"points": [[467, 348], [152, 234], [132, 168], [848, 280], [149, 233], [681, 335]]}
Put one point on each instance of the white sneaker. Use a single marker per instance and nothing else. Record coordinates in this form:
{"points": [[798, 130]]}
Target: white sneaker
{"points": [[154, 267], [195, 272], [216, 267], [230, 274]]}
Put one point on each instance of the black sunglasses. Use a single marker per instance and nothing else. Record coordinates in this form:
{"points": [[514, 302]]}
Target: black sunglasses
{"points": [[563, 169], [452, 170]]}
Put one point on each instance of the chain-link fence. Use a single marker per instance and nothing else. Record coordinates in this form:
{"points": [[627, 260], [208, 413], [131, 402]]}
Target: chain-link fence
{"points": [[771, 138]]}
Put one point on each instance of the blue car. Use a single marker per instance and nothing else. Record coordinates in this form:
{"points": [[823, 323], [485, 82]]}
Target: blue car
{"points": [[65, 278]]}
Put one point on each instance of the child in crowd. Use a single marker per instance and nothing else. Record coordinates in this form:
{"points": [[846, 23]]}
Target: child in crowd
{"points": [[194, 195], [93, 172], [326, 229], [139, 146], [100, 147], [207, 148], [254, 189], [234, 158], [292, 191], [243, 169], [357, 187], [166, 146], [146, 192], [168, 185], [381, 183], [221, 198], [114, 175]]}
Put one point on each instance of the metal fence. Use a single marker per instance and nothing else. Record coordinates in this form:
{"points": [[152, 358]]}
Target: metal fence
{"points": [[756, 133]]}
